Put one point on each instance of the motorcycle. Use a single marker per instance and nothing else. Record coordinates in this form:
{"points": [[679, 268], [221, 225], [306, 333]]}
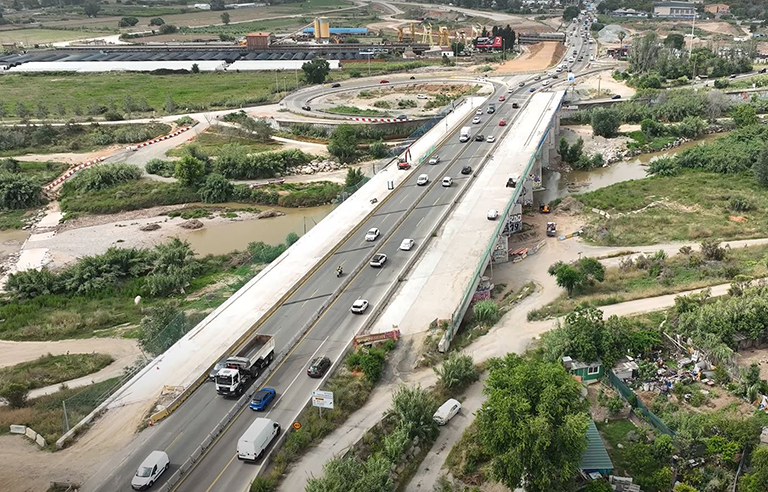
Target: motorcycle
{"points": [[339, 272], [374, 200]]}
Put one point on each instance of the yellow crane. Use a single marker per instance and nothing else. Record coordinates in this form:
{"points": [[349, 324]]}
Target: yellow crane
{"points": [[445, 36], [426, 36]]}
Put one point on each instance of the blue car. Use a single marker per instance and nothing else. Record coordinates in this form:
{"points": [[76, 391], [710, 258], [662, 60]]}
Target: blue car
{"points": [[531, 89], [262, 398]]}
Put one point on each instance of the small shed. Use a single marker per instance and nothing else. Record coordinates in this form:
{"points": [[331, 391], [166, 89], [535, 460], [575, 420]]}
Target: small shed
{"points": [[625, 368], [589, 373], [595, 458]]}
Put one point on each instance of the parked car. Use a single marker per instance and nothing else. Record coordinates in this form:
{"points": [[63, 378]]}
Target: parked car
{"points": [[447, 182], [378, 260], [359, 306], [150, 470], [490, 139], [447, 411], [502, 98], [503, 122], [261, 399], [306, 108], [493, 214], [335, 85], [421, 96], [466, 170], [372, 234], [318, 367], [479, 137], [407, 244], [422, 180], [476, 120], [434, 159]]}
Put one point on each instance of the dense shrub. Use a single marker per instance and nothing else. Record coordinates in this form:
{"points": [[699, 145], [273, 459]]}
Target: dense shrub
{"points": [[19, 191], [234, 162], [456, 372], [100, 177], [160, 167], [319, 193], [217, 189]]}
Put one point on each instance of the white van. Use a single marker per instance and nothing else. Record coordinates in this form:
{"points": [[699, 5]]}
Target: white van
{"points": [[150, 470], [447, 411], [253, 442]]}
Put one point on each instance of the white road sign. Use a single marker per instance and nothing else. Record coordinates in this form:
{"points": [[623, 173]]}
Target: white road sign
{"points": [[322, 399]]}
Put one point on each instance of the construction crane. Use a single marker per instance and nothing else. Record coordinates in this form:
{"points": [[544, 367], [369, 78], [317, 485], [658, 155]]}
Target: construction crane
{"points": [[403, 36], [426, 36], [445, 36]]}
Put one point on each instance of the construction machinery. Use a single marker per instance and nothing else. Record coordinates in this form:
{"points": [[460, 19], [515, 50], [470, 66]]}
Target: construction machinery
{"points": [[445, 37], [410, 35], [544, 208], [426, 35], [551, 229]]}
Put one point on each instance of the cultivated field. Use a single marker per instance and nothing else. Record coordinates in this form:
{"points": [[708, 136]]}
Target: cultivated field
{"points": [[30, 37]]}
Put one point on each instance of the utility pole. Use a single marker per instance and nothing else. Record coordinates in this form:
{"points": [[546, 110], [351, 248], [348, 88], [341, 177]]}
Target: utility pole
{"points": [[599, 79]]}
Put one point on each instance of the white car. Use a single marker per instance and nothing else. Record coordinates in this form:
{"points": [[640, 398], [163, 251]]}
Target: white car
{"points": [[476, 120], [372, 234], [479, 111], [421, 96], [434, 159], [407, 244], [447, 411], [447, 181], [510, 90], [422, 180], [150, 470], [546, 83], [359, 306], [490, 139], [493, 214], [378, 260]]}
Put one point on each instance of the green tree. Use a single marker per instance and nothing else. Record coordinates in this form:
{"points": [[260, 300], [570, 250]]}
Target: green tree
{"points": [[156, 21], [684, 487], [533, 423], [168, 29], [567, 276], [225, 18], [128, 22], [674, 41], [189, 171], [456, 372], [260, 129], [217, 189], [563, 148], [570, 13], [592, 269], [600, 485], [744, 115], [316, 70], [760, 167], [195, 68], [413, 407], [352, 475], [605, 122], [575, 151], [354, 176], [378, 150], [91, 8], [15, 394], [159, 317], [757, 478], [343, 143], [18, 191]]}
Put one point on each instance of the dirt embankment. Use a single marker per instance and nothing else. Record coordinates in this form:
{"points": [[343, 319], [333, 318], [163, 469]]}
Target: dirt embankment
{"points": [[536, 57]]}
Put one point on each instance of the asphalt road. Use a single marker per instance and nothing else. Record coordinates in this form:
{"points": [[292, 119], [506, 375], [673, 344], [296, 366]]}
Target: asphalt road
{"points": [[183, 431]]}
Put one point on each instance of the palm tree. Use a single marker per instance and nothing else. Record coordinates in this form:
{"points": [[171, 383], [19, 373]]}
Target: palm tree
{"points": [[622, 35]]}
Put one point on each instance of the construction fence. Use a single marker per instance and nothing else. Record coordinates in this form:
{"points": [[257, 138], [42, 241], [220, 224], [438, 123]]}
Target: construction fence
{"points": [[627, 393]]}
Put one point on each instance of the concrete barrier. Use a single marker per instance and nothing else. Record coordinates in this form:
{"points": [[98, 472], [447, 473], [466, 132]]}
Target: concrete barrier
{"points": [[29, 433]]}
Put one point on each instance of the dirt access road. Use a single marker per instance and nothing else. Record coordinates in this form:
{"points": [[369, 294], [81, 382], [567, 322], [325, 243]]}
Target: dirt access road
{"points": [[538, 57]]}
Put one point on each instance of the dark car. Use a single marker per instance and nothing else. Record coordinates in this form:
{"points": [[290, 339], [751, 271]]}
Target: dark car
{"points": [[515, 106], [616, 96], [555, 76], [215, 370], [412, 77], [318, 367], [466, 170], [262, 398], [531, 89], [306, 108], [402, 117], [480, 138], [384, 82], [336, 85], [763, 70]]}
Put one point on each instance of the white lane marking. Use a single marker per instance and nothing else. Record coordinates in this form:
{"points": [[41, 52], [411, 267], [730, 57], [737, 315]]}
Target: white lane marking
{"points": [[297, 377]]}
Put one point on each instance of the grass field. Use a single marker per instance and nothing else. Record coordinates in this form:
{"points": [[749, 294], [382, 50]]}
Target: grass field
{"points": [[691, 206], [31, 37], [53, 369], [671, 275], [214, 137]]}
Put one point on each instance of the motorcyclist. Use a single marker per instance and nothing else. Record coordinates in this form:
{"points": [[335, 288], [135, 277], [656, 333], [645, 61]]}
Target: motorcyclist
{"points": [[339, 271]]}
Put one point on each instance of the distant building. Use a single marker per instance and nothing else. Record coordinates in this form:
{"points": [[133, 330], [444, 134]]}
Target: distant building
{"points": [[678, 10], [258, 40], [538, 37], [628, 13], [202, 6], [343, 31], [718, 9]]}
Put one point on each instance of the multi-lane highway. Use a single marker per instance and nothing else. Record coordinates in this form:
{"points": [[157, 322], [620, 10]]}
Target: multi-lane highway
{"points": [[410, 212]]}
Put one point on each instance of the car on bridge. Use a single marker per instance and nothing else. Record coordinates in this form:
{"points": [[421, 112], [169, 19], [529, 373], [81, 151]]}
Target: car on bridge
{"points": [[359, 306], [502, 98], [490, 139], [261, 399], [434, 159], [306, 107], [479, 111], [514, 106], [378, 260], [479, 137], [521, 84], [150, 470], [503, 122], [531, 89], [215, 370], [407, 244], [447, 182], [422, 180], [372, 234], [492, 214], [318, 367], [466, 170], [476, 120]]}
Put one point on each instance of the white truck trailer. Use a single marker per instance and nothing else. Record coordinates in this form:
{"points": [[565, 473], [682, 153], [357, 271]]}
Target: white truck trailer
{"points": [[245, 366], [464, 135], [253, 442]]}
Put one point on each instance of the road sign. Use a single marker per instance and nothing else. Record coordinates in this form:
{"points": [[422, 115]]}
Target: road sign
{"points": [[571, 77], [297, 425], [322, 399]]}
